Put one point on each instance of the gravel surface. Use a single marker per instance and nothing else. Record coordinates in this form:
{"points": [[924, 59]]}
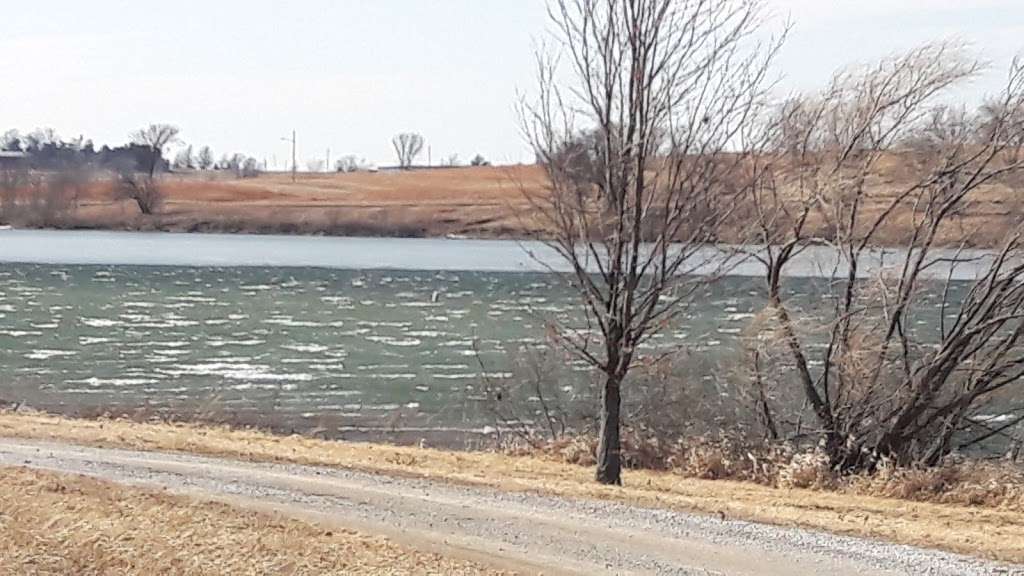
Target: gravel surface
{"points": [[525, 532]]}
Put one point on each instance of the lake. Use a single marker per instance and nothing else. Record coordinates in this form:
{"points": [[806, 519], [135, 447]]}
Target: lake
{"points": [[298, 332]]}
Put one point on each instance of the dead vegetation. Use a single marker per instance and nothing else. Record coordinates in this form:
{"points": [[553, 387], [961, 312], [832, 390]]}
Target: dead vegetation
{"points": [[880, 385], [479, 202], [57, 525], [962, 508]]}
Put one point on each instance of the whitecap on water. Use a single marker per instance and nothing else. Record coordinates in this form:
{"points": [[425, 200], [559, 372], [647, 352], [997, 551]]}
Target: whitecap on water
{"points": [[457, 376], [47, 354], [425, 334], [309, 348], [292, 323], [253, 372], [20, 333], [99, 322], [222, 343], [372, 324], [114, 382], [392, 341], [48, 326]]}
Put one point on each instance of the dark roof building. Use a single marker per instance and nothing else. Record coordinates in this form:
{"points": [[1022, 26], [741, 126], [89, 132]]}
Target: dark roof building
{"points": [[12, 159]]}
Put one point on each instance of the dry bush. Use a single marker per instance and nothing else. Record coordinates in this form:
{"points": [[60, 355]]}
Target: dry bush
{"points": [[964, 482], [973, 483], [144, 190], [36, 200], [882, 380]]}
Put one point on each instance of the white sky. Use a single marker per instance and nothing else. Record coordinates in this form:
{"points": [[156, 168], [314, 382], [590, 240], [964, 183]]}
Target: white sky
{"points": [[348, 74]]}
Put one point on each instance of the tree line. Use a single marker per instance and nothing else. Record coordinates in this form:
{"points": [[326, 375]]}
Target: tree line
{"points": [[144, 152]]}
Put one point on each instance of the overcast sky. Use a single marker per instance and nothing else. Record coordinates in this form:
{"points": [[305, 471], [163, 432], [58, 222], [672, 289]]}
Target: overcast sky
{"points": [[348, 74]]}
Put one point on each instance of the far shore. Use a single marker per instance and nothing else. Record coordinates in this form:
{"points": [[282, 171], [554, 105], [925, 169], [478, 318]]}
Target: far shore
{"points": [[491, 202]]}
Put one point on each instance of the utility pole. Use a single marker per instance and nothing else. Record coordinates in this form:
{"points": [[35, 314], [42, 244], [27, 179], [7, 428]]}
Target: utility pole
{"points": [[327, 166], [295, 163]]}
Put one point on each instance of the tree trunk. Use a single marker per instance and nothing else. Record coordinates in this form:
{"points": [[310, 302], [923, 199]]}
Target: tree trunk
{"points": [[609, 450]]}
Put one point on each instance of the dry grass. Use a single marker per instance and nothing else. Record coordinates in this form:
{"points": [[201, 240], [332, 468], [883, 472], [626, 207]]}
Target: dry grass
{"points": [[60, 525], [963, 482], [486, 202], [982, 531]]}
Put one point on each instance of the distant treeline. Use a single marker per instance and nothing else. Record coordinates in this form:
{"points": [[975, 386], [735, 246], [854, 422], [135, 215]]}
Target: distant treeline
{"points": [[44, 150]]}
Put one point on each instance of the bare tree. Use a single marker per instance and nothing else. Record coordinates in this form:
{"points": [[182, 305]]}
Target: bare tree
{"points": [[205, 160], [349, 163], [250, 168], [880, 382], [156, 137], [407, 146], [11, 141], [184, 160], [143, 190], [668, 89]]}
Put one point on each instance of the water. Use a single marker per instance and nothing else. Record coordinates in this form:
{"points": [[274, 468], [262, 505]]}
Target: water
{"points": [[352, 334], [300, 343]]}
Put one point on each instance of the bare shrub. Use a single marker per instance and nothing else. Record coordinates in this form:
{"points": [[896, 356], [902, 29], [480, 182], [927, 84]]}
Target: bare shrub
{"points": [[41, 200], [881, 383], [144, 190]]}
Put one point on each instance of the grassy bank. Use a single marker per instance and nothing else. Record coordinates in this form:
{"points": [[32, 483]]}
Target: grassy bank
{"points": [[986, 529], [479, 202], [54, 524]]}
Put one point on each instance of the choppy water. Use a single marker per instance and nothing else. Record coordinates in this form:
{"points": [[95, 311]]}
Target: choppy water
{"points": [[85, 329], [294, 345]]}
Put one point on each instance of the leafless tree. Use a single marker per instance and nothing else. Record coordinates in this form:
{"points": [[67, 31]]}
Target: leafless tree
{"points": [[348, 163], [143, 190], [881, 384], [184, 160], [666, 91], [407, 146], [156, 137], [250, 168], [11, 141], [205, 160]]}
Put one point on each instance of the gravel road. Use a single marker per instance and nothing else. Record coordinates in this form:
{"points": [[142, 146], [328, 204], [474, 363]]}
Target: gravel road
{"points": [[521, 532]]}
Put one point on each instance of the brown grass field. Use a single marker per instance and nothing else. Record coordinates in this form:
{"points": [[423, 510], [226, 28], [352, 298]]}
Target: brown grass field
{"points": [[479, 202], [992, 528], [484, 202], [63, 525]]}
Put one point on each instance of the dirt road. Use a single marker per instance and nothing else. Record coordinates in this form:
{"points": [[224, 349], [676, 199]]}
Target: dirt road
{"points": [[521, 532]]}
